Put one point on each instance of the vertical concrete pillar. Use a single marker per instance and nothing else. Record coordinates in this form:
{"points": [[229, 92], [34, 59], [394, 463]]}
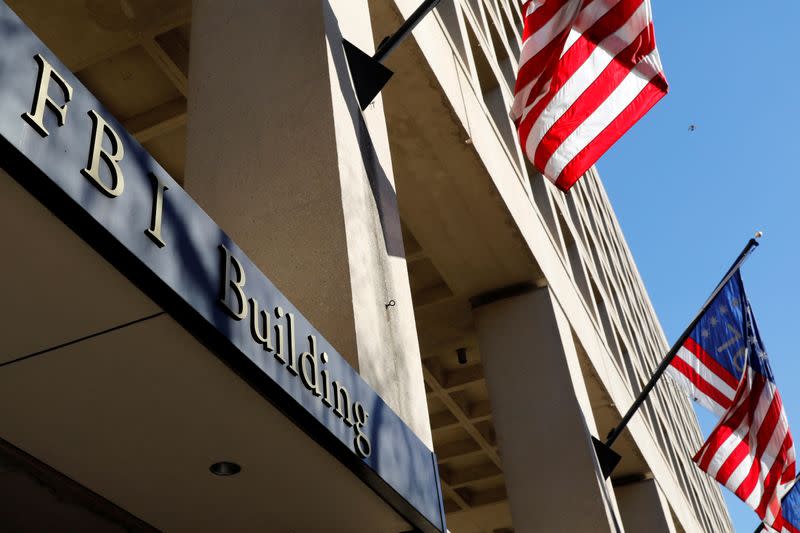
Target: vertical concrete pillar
{"points": [[282, 158], [542, 417], [644, 508]]}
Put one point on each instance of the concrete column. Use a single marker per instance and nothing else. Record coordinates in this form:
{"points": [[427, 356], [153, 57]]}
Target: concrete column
{"points": [[542, 417], [644, 508], [281, 157]]}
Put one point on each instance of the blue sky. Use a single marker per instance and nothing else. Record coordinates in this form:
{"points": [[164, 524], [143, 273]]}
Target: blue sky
{"points": [[688, 201]]}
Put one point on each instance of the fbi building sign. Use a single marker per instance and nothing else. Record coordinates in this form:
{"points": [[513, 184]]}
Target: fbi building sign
{"points": [[60, 143]]}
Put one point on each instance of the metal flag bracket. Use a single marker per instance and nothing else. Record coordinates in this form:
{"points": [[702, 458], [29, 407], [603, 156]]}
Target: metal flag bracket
{"points": [[608, 458], [368, 73]]}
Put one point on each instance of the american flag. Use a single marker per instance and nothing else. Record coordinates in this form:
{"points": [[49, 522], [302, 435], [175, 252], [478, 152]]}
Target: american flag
{"points": [[750, 451], [790, 511], [711, 360], [588, 70]]}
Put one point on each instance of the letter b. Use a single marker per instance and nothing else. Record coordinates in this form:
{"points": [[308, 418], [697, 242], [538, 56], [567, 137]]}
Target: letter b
{"points": [[100, 129], [232, 285]]}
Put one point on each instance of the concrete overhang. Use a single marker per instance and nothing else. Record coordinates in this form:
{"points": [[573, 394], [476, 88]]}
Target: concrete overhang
{"points": [[106, 386], [102, 385], [446, 195]]}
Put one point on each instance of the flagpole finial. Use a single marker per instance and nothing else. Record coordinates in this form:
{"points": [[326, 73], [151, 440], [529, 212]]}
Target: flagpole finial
{"points": [[759, 234]]}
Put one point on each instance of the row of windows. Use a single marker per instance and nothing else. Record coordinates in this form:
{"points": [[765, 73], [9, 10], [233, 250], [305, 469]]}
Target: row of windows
{"points": [[485, 35], [486, 39], [638, 343]]}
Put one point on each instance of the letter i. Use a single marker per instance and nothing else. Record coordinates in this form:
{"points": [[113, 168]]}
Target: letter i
{"points": [[326, 382], [279, 336], [292, 367]]}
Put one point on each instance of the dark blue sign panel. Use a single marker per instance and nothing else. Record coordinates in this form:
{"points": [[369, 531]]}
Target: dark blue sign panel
{"points": [[59, 142]]}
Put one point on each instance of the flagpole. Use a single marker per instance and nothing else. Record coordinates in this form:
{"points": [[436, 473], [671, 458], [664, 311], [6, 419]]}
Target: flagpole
{"points": [[368, 73], [390, 43], [607, 457]]}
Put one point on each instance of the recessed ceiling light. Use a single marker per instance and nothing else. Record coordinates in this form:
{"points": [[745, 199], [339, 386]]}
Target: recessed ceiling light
{"points": [[225, 468], [462, 356]]}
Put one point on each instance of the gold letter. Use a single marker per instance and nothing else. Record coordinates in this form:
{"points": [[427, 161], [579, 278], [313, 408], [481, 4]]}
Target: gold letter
{"points": [[279, 336], [361, 442], [154, 231], [229, 283], [41, 99], [342, 399], [92, 171], [292, 366], [255, 330], [310, 382], [326, 387]]}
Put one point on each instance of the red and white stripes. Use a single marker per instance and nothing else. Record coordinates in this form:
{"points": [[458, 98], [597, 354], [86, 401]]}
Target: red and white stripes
{"points": [[751, 450], [589, 69], [703, 377]]}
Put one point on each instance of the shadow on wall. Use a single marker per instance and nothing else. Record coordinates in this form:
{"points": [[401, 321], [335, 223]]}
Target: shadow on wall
{"points": [[385, 204], [383, 191]]}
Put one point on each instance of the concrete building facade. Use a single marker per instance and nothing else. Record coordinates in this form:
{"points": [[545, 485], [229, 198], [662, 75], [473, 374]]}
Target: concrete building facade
{"points": [[502, 322]]}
